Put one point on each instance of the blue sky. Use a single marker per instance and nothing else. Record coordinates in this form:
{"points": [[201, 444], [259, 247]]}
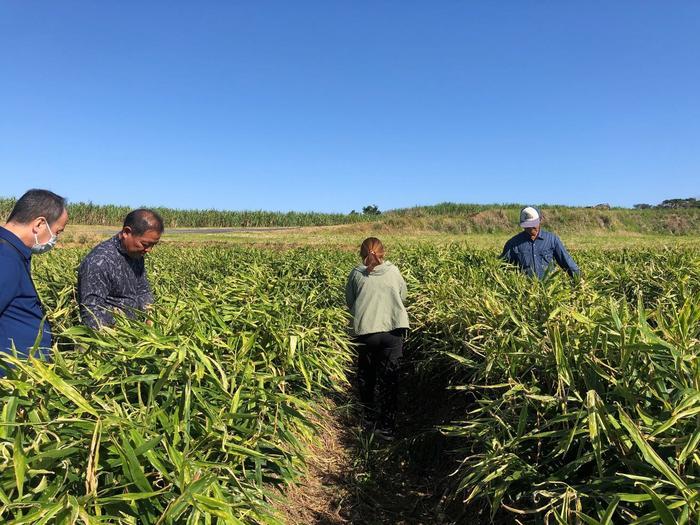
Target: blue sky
{"points": [[332, 105]]}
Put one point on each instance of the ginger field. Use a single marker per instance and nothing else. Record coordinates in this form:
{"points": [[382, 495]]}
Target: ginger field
{"points": [[558, 401]]}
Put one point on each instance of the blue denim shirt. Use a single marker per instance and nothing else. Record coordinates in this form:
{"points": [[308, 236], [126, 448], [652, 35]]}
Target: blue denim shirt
{"points": [[21, 312], [538, 257]]}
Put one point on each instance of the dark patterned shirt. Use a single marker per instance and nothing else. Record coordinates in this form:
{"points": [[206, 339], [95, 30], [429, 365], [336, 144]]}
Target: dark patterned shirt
{"points": [[109, 279]]}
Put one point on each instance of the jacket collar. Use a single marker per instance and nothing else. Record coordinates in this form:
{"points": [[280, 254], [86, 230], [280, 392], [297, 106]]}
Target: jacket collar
{"points": [[118, 243], [15, 241]]}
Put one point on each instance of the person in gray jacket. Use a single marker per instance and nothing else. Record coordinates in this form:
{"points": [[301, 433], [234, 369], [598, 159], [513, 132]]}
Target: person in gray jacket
{"points": [[375, 293]]}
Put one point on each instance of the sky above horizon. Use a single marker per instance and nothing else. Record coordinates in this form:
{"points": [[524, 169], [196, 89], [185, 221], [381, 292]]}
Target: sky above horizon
{"points": [[330, 106]]}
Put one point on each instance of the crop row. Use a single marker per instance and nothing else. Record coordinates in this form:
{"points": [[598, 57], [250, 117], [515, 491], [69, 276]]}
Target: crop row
{"points": [[553, 401], [191, 420], [559, 401]]}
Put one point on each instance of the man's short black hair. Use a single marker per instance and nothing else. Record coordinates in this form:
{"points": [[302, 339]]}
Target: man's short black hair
{"points": [[142, 220], [37, 203]]}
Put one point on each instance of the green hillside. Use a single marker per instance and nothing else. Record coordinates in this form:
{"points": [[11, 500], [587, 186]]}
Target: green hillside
{"points": [[466, 218]]}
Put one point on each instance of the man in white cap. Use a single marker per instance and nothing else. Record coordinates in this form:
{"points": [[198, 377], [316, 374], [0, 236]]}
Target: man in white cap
{"points": [[534, 250]]}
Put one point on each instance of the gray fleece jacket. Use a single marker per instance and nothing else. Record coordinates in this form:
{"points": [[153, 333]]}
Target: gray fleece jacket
{"points": [[376, 299]]}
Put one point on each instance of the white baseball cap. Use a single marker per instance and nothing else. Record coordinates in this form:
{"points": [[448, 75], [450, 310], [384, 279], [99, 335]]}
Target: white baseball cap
{"points": [[529, 217]]}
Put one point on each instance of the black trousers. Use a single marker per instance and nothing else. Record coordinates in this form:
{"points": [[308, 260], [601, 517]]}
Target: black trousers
{"points": [[378, 361]]}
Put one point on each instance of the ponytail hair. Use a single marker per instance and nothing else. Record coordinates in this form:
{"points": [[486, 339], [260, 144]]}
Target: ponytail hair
{"points": [[372, 253]]}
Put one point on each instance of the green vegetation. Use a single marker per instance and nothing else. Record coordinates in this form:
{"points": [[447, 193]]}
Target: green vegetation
{"points": [[558, 400], [111, 215], [476, 219], [192, 420], [449, 218]]}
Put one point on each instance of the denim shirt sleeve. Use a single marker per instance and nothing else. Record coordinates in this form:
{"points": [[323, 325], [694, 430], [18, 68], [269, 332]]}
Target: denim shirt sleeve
{"points": [[508, 253], [564, 259]]}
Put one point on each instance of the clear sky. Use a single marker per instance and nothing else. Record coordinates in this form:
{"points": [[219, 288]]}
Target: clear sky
{"points": [[332, 105]]}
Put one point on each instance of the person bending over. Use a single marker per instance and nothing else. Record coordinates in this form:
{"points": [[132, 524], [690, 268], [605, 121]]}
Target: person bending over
{"points": [[113, 275]]}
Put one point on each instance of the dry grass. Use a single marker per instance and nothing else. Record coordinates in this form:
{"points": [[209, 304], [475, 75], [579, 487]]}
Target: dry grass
{"points": [[319, 497], [352, 478], [349, 237]]}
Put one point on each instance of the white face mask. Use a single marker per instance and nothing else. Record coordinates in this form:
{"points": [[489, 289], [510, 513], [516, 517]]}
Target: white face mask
{"points": [[40, 248]]}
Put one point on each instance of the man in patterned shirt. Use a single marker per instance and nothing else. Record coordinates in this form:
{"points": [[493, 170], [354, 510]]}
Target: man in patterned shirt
{"points": [[534, 250], [113, 275]]}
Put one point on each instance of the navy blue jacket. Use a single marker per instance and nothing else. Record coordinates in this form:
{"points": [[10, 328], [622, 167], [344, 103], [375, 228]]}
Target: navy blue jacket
{"points": [[21, 312], [536, 258]]}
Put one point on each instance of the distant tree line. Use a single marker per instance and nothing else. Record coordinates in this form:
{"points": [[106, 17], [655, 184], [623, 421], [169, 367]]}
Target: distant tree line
{"points": [[671, 203], [371, 209]]}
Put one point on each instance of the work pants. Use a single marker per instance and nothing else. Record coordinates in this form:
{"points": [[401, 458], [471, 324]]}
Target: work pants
{"points": [[378, 366]]}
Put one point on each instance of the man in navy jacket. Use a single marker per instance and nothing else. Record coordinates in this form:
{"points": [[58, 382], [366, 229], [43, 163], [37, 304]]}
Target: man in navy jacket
{"points": [[33, 226], [534, 250]]}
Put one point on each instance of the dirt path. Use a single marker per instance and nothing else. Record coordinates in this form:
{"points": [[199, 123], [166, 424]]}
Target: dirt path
{"points": [[355, 478]]}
